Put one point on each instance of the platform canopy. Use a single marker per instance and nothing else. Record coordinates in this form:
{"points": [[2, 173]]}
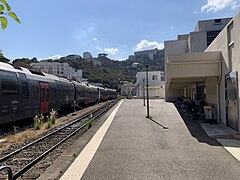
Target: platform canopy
{"points": [[187, 68]]}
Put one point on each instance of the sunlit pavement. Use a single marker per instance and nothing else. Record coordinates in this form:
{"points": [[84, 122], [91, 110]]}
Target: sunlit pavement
{"points": [[164, 147], [226, 136]]}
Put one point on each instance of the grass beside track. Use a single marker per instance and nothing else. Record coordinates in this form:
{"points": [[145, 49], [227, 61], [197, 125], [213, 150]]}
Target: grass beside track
{"points": [[21, 137]]}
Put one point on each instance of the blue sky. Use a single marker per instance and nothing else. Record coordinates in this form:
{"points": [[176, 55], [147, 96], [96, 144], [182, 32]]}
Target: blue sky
{"points": [[54, 28]]}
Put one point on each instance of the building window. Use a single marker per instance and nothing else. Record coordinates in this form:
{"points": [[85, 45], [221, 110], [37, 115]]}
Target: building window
{"points": [[154, 77], [162, 78], [211, 35], [217, 21], [50, 70]]}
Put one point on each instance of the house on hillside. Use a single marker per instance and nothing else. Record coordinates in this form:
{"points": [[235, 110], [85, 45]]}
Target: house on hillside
{"points": [[150, 53], [128, 88], [155, 81], [59, 69], [87, 55], [135, 64]]}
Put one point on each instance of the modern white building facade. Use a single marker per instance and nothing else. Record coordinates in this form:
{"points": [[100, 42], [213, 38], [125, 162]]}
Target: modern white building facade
{"points": [[155, 81], [209, 73], [59, 69]]}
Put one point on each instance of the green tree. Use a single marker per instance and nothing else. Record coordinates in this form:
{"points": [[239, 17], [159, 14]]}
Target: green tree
{"points": [[3, 59], [5, 10], [24, 60]]}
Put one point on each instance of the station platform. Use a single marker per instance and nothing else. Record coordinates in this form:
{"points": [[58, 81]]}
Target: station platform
{"points": [[130, 146]]}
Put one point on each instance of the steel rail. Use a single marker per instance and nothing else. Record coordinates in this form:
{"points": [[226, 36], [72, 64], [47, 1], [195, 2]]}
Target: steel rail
{"points": [[105, 108], [35, 161], [48, 135], [9, 171]]}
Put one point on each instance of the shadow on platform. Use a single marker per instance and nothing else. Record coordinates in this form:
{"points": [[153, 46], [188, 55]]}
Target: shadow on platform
{"points": [[152, 120], [196, 130]]}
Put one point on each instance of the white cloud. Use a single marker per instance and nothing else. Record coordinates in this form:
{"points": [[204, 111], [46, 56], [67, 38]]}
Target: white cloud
{"points": [[108, 50], [145, 45], [217, 5], [195, 12], [111, 50], [98, 48], [51, 57], [172, 27], [95, 39]]}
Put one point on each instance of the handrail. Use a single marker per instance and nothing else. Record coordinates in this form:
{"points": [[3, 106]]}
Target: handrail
{"points": [[9, 170]]}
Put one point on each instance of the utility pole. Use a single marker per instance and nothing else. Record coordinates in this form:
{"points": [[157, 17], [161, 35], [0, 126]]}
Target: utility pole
{"points": [[147, 91], [143, 92]]}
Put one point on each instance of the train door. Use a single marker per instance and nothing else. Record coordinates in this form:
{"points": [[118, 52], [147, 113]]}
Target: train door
{"points": [[231, 89], [44, 97], [99, 95]]}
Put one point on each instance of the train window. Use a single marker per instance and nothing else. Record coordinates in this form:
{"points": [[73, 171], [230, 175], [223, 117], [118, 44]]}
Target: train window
{"points": [[9, 82], [22, 77], [25, 90], [34, 91]]}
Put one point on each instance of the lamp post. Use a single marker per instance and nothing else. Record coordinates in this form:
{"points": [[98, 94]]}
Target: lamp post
{"points": [[143, 92], [147, 91]]}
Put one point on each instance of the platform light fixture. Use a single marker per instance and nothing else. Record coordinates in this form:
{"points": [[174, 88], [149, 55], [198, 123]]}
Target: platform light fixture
{"points": [[147, 91], [143, 92]]}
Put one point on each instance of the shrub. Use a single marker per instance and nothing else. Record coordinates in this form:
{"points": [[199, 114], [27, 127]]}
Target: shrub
{"points": [[90, 122], [15, 129], [53, 117], [49, 124], [38, 121]]}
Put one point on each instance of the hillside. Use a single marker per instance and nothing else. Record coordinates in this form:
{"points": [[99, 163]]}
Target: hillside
{"points": [[109, 69]]}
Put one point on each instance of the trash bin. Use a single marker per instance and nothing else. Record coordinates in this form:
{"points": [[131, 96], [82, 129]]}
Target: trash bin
{"points": [[208, 113]]}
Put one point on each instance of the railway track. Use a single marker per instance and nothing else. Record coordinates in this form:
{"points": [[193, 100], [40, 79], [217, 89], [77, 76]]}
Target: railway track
{"points": [[26, 157]]}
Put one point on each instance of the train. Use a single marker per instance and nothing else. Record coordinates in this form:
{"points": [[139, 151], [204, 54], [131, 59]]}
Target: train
{"points": [[25, 93]]}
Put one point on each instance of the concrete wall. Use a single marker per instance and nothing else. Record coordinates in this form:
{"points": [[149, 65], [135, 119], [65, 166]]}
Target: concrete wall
{"points": [[172, 94], [153, 91], [142, 75], [221, 43], [179, 64], [182, 37], [193, 70], [196, 56], [210, 25], [175, 47], [213, 66], [197, 41], [185, 70]]}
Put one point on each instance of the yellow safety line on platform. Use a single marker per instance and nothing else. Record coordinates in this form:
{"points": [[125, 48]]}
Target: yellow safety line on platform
{"points": [[79, 166]]}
